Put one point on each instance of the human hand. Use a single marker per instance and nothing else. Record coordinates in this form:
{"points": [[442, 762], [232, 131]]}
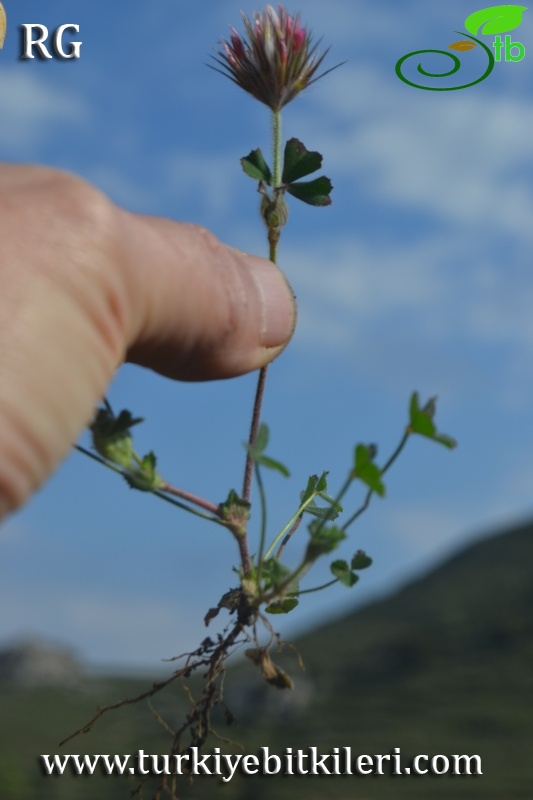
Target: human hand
{"points": [[85, 285]]}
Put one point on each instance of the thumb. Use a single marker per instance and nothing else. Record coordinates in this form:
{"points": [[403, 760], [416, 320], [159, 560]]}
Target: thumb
{"points": [[85, 284], [202, 310]]}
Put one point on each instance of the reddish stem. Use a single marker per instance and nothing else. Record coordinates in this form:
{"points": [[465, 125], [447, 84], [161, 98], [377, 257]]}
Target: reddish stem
{"points": [[254, 429], [191, 498]]}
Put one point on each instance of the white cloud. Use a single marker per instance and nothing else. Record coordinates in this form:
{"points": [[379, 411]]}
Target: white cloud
{"points": [[462, 158], [500, 306], [121, 188], [433, 531], [32, 108], [435, 308], [362, 24], [371, 280], [194, 177], [427, 531], [359, 287]]}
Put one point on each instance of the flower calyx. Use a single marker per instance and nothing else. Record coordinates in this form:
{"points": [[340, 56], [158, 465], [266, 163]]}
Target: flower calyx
{"points": [[235, 512]]}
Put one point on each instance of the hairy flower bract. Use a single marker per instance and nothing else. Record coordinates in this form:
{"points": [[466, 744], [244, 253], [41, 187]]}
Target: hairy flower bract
{"points": [[275, 58]]}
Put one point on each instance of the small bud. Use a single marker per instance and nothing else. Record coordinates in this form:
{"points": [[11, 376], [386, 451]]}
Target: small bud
{"points": [[110, 440], [274, 211], [144, 476], [235, 511]]}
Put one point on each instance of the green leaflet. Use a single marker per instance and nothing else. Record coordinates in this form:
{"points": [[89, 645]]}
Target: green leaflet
{"points": [[421, 421], [366, 470], [256, 167], [257, 452], [298, 161], [314, 193], [343, 573]]}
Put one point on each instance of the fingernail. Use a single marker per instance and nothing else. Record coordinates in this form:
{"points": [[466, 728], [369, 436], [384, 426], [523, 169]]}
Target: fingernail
{"points": [[278, 304]]}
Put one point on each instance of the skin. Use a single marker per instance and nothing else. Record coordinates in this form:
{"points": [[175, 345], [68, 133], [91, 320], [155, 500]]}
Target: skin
{"points": [[86, 285]]}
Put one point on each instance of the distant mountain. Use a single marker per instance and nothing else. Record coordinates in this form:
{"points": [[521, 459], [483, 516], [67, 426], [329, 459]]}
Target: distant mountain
{"points": [[475, 609], [33, 662], [443, 666]]}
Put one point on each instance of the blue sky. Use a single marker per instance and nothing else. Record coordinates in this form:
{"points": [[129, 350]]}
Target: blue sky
{"points": [[419, 276]]}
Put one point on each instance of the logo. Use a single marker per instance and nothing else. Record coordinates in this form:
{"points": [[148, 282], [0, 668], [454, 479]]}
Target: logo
{"points": [[492, 21], [29, 44]]}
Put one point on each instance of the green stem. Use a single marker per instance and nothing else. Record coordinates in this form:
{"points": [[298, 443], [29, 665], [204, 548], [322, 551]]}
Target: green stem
{"points": [[276, 147], [370, 492], [286, 540], [279, 590], [289, 525], [262, 538], [185, 507], [318, 588], [213, 517], [336, 500], [397, 452]]}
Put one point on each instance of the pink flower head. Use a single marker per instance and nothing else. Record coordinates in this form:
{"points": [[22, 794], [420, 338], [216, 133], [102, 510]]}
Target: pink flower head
{"points": [[237, 44], [274, 59]]}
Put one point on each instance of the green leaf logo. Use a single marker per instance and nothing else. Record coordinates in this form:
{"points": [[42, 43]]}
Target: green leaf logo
{"points": [[495, 19], [462, 45]]}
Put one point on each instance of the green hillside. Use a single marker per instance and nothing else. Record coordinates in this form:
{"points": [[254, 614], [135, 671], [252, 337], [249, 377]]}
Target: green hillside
{"points": [[445, 666]]}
